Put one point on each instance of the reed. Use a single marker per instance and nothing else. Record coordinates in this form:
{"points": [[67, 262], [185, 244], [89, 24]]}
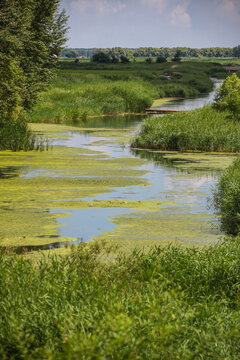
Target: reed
{"points": [[170, 303]]}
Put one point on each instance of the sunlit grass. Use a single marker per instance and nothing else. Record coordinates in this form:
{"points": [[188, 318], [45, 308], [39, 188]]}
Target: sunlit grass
{"points": [[203, 129], [167, 304]]}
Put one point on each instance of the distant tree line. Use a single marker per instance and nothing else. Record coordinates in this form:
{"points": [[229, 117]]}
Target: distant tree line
{"points": [[154, 52]]}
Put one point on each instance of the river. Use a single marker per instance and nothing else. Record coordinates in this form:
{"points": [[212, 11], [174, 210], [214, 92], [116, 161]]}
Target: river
{"points": [[92, 185]]}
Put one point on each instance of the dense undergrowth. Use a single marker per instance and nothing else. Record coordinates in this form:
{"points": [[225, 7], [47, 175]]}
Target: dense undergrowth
{"points": [[81, 90], [227, 199], [204, 129], [168, 304]]}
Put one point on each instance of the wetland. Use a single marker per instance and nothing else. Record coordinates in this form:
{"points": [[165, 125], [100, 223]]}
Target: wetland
{"points": [[90, 185]]}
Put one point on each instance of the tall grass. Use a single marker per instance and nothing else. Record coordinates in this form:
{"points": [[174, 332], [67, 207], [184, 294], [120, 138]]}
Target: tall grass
{"points": [[15, 135], [168, 304], [94, 89], [203, 129], [227, 199]]}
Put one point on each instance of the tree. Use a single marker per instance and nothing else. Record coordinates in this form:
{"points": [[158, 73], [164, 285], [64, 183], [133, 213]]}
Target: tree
{"points": [[124, 59], [161, 60], [71, 53], [228, 96], [114, 59], [177, 56], [101, 57], [148, 61], [32, 33], [236, 51]]}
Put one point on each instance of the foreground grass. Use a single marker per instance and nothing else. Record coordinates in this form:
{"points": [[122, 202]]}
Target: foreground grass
{"points": [[168, 304], [203, 129], [89, 89]]}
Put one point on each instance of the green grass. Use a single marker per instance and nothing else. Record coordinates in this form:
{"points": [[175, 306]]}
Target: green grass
{"points": [[168, 304], [227, 199], [15, 135], [88, 89], [203, 129]]}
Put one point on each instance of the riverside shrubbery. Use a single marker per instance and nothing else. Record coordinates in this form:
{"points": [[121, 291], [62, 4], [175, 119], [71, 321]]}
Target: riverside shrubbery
{"points": [[170, 303], [226, 199]]}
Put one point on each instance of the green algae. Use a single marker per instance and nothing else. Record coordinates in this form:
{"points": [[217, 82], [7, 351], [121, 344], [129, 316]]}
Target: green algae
{"points": [[42, 180], [62, 177], [144, 230]]}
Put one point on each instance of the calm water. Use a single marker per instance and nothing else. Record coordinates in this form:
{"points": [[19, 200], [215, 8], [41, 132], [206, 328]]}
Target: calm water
{"points": [[191, 104], [190, 191]]}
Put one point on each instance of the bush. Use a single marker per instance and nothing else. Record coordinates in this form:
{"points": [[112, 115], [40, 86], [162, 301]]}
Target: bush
{"points": [[227, 199], [228, 96], [161, 60], [101, 57]]}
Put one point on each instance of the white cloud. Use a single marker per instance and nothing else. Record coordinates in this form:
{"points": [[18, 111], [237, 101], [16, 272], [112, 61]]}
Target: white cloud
{"points": [[229, 8], [101, 6], [180, 16], [158, 4]]}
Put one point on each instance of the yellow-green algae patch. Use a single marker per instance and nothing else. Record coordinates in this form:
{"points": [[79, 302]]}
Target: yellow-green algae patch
{"points": [[143, 230], [192, 162], [36, 182], [163, 101], [134, 205]]}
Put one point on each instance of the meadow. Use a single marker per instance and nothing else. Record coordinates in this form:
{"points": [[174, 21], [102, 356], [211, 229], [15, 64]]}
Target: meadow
{"points": [[88, 89]]}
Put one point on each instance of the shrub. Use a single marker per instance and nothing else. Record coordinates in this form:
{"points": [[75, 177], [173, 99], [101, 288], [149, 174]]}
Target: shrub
{"points": [[161, 60], [227, 199], [228, 96]]}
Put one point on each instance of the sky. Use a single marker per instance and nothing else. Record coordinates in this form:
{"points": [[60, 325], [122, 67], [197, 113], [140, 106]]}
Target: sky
{"points": [[156, 23]]}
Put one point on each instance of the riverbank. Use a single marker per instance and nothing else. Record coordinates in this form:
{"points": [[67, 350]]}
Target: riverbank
{"points": [[86, 90]]}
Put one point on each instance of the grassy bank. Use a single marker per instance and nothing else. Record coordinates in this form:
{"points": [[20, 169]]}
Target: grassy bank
{"points": [[88, 89], [168, 304], [203, 129]]}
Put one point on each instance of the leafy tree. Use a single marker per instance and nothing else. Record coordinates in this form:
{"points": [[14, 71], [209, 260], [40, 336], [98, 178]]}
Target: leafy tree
{"points": [[228, 96], [148, 61], [101, 57], [114, 59], [177, 56], [72, 53], [161, 60], [236, 51], [124, 59], [32, 33]]}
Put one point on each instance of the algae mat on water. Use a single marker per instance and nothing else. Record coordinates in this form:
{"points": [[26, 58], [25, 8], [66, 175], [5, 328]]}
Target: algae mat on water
{"points": [[37, 188]]}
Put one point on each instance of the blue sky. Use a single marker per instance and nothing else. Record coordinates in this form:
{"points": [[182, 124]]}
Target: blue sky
{"points": [[157, 23]]}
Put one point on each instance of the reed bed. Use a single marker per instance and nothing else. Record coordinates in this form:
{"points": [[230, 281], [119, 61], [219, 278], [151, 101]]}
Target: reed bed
{"points": [[203, 129], [83, 90]]}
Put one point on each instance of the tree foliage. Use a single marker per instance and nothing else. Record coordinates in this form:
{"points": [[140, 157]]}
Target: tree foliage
{"points": [[32, 33], [228, 96]]}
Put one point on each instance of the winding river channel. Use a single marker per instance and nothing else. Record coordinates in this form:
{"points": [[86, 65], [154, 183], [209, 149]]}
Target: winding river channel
{"points": [[90, 184]]}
